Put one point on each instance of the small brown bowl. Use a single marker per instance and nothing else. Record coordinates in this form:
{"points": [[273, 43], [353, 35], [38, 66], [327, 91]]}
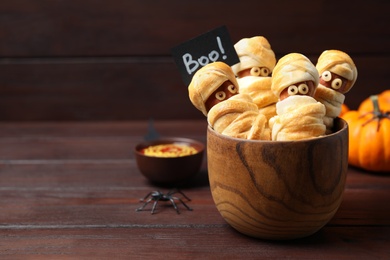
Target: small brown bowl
{"points": [[169, 170], [278, 190]]}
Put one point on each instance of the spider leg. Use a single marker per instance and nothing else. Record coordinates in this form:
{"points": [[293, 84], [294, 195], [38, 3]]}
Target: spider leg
{"points": [[143, 206], [184, 196], [174, 205], [154, 206], [171, 192], [182, 202], [180, 192], [150, 193]]}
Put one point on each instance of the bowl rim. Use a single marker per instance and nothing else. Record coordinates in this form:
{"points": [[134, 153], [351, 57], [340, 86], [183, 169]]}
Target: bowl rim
{"points": [[199, 146], [338, 121]]}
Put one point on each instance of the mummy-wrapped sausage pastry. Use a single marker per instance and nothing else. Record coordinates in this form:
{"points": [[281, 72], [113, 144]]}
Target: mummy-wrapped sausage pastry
{"points": [[299, 115], [338, 74], [214, 91], [257, 60]]}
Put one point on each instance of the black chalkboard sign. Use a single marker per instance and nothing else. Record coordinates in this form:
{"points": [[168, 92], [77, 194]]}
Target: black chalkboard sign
{"points": [[212, 46]]}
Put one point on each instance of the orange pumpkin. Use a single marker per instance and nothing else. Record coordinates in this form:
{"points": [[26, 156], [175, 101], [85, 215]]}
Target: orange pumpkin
{"points": [[369, 134], [383, 99]]}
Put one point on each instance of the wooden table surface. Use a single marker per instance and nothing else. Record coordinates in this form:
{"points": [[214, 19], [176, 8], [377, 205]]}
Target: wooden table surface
{"points": [[70, 190]]}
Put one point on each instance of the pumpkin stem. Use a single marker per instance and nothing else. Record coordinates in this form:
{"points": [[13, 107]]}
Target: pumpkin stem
{"points": [[377, 113]]}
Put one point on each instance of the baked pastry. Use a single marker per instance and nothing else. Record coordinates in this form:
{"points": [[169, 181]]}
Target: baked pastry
{"points": [[257, 60], [259, 89], [291, 69], [239, 117], [299, 115], [338, 74], [341, 64], [254, 52], [231, 113], [206, 81]]}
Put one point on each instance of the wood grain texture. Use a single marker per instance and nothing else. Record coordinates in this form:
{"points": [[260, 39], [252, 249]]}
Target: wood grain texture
{"points": [[278, 190], [71, 28], [188, 242], [69, 197], [72, 60]]}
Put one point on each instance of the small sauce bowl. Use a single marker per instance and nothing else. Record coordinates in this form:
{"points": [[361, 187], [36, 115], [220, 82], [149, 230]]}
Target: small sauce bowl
{"points": [[169, 170]]}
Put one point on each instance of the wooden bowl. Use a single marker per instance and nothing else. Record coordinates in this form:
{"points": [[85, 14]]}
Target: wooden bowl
{"points": [[278, 189], [169, 170]]}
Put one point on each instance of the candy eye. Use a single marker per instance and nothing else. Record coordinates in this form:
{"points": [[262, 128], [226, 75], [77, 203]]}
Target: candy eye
{"points": [[255, 71], [232, 89], [336, 84], [264, 72], [292, 90], [326, 75], [220, 95], [303, 89]]}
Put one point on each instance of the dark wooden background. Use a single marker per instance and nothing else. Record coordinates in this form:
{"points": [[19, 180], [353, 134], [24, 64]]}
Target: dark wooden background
{"points": [[111, 60]]}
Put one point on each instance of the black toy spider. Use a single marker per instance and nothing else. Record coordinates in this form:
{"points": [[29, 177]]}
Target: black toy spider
{"points": [[156, 196]]}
